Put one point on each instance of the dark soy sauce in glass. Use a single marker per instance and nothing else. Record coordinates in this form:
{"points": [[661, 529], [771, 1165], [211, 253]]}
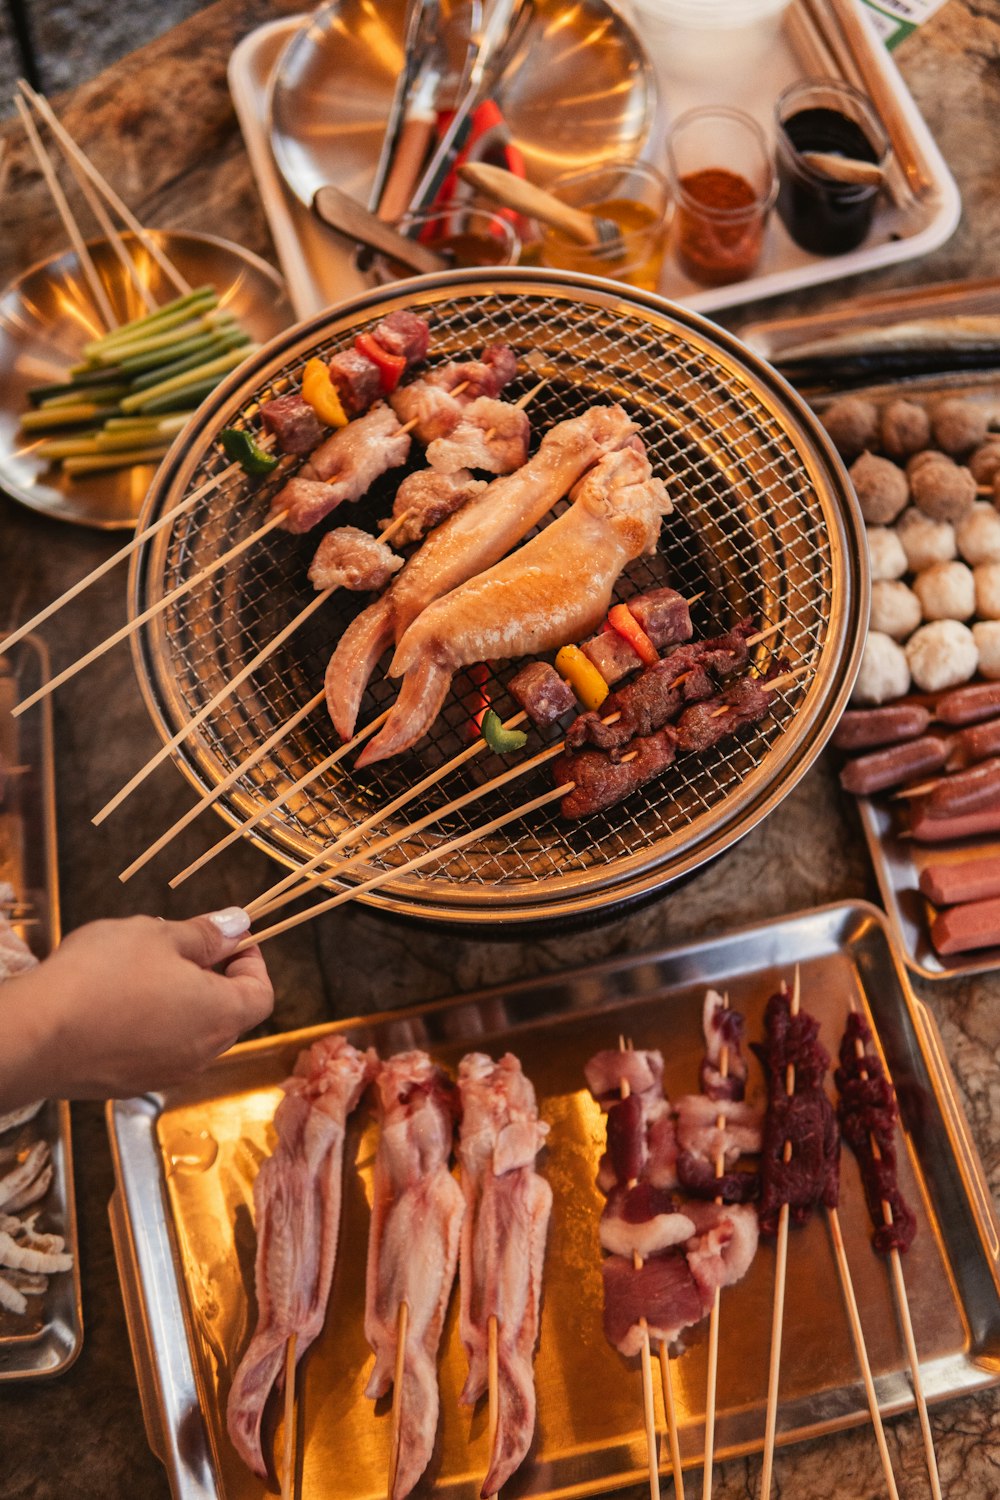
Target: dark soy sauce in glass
{"points": [[822, 215]]}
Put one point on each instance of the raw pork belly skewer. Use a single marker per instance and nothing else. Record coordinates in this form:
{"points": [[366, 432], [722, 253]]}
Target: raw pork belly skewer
{"points": [[297, 1198], [868, 1112], [503, 1251], [800, 1170], [417, 1213]]}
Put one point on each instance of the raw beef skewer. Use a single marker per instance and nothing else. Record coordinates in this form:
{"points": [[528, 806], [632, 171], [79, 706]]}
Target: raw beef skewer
{"points": [[417, 1213], [297, 1199], [503, 1251]]}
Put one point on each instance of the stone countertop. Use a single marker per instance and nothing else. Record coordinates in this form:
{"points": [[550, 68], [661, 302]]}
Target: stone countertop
{"points": [[160, 126]]}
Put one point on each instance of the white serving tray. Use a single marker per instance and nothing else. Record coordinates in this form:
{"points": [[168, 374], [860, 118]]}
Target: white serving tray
{"points": [[319, 267]]}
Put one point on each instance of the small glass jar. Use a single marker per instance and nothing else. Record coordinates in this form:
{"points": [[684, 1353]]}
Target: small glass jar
{"points": [[823, 215], [723, 182], [632, 195], [465, 234]]}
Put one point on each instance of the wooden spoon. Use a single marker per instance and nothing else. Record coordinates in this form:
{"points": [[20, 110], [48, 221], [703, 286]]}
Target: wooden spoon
{"points": [[516, 192], [843, 168]]}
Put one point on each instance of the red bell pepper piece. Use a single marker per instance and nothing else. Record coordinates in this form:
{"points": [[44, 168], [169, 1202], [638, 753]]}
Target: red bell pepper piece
{"points": [[621, 618], [390, 366]]}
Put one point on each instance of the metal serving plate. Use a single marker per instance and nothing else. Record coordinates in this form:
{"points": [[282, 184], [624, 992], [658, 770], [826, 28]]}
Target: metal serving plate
{"points": [[765, 523], [46, 317], [182, 1217], [48, 1338], [579, 91]]}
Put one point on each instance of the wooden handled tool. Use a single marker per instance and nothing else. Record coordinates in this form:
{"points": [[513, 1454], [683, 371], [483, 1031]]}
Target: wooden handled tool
{"points": [[846, 169], [516, 192], [351, 218]]}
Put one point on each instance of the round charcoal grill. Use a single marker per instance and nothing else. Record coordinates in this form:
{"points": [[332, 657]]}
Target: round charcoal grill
{"points": [[764, 524]]}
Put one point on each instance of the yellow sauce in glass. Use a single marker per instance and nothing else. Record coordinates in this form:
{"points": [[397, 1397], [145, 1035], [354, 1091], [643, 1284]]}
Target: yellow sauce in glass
{"points": [[636, 257]]}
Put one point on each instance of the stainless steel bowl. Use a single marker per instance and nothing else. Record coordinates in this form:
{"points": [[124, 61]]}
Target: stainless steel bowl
{"points": [[765, 523], [48, 314]]}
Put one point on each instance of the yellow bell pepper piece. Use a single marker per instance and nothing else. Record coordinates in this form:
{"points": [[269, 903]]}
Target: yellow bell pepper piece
{"points": [[582, 676], [321, 393]]}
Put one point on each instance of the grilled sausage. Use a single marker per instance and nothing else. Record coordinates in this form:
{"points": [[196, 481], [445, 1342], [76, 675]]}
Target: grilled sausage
{"points": [[969, 705], [865, 728], [971, 880], [966, 791], [976, 742], [894, 766], [928, 829]]}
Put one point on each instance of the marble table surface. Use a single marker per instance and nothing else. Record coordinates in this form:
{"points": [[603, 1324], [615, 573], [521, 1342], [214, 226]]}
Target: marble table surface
{"points": [[160, 125]]}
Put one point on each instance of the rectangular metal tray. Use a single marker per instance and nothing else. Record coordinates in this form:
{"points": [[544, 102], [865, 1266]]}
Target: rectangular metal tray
{"points": [[48, 1338], [320, 271], [182, 1221]]}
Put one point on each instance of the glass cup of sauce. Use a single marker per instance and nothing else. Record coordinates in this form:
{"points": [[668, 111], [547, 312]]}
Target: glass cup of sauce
{"points": [[634, 196], [822, 214], [724, 187], [466, 235]]}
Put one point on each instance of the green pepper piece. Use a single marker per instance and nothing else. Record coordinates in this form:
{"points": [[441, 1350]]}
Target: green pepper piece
{"points": [[502, 740], [241, 448]]}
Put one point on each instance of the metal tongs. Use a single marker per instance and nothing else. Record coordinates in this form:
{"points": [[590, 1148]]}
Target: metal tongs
{"points": [[421, 40], [496, 42]]}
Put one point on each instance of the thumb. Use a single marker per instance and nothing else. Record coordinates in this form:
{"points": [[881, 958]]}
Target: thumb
{"points": [[210, 939]]}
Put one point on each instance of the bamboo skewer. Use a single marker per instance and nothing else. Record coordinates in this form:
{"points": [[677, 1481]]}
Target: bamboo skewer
{"points": [[44, 161], [713, 1326], [154, 609], [288, 1461], [903, 1308], [402, 1326], [778, 1316], [104, 187], [213, 703], [648, 1409], [493, 1382]]}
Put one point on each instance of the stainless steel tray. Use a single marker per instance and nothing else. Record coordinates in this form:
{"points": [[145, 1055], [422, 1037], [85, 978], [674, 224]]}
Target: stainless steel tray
{"points": [[48, 1338], [185, 1162]]}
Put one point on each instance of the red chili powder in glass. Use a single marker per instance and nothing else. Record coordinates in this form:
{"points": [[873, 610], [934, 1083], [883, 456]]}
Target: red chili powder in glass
{"points": [[723, 243]]}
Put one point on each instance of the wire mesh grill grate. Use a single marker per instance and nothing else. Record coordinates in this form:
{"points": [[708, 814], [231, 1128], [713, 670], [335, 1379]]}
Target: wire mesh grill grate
{"points": [[750, 534]]}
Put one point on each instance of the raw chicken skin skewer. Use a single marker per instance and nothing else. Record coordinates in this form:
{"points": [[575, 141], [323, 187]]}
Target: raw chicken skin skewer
{"points": [[554, 589], [297, 1199], [503, 1247], [468, 542], [417, 1213]]}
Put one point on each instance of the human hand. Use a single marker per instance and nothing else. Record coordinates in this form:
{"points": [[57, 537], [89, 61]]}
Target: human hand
{"points": [[123, 1007]]}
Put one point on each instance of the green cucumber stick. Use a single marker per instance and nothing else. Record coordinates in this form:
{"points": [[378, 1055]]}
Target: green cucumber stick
{"points": [[153, 359], [212, 347]]}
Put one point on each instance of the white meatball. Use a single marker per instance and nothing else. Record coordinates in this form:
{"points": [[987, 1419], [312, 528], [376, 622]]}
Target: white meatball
{"points": [[895, 609], [978, 534], [924, 540], [947, 591], [941, 655], [886, 554], [986, 634], [987, 577], [884, 673]]}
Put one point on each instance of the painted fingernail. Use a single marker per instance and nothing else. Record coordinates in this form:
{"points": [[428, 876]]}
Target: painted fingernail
{"points": [[232, 922]]}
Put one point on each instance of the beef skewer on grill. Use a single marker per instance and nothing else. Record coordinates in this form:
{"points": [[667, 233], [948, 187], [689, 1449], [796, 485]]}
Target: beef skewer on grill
{"points": [[868, 1112], [800, 1173], [508, 1205]]}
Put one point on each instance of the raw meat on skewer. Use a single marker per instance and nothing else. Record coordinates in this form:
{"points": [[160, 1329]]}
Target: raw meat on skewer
{"points": [[554, 589], [426, 498], [467, 543], [436, 402], [503, 1247], [417, 1213], [352, 559], [868, 1114], [297, 1199], [344, 467]]}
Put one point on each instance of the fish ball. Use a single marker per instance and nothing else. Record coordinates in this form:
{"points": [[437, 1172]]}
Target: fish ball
{"points": [[896, 609], [924, 540], [881, 488], [958, 425], [852, 423], [884, 673], [987, 577], [947, 591], [886, 554], [986, 634], [941, 655], [978, 534], [906, 428], [943, 489]]}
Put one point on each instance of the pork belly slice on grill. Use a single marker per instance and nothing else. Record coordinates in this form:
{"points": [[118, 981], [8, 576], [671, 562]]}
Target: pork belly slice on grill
{"points": [[417, 1213], [662, 1291], [349, 558], [503, 1246], [472, 540], [297, 1198], [490, 434], [554, 589], [643, 1220], [344, 467], [435, 404], [427, 498]]}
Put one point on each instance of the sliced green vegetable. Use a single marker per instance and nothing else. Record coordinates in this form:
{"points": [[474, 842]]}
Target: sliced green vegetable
{"points": [[502, 740], [240, 447]]}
